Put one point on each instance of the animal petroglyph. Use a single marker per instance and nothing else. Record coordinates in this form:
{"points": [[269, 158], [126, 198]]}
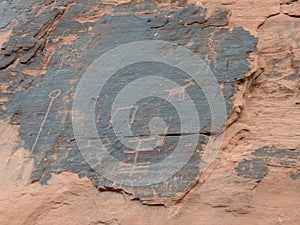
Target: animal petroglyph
{"points": [[180, 91]]}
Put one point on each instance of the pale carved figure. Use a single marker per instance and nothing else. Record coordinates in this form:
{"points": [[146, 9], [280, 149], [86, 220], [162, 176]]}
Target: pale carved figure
{"points": [[52, 95], [125, 108], [179, 91]]}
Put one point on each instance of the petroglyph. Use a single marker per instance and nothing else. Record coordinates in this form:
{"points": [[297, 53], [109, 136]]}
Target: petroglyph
{"points": [[123, 109], [180, 91], [47, 130], [52, 95]]}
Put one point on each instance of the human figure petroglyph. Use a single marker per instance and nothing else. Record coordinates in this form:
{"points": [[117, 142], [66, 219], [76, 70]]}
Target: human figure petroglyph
{"points": [[158, 129], [180, 91], [52, 95], [138, 149], [137, 168], [135, 107], [150, 143]]}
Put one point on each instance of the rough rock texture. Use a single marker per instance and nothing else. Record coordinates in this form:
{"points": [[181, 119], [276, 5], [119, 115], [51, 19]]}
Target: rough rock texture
{"points": [[252, 47]]}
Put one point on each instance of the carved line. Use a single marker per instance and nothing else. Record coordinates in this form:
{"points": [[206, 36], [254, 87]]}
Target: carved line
{"points": [[125, 108], [180, 91], [52, 95]]}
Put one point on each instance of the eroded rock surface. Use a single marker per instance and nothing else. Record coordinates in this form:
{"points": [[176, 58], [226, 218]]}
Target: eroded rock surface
{"points": [[46, 47]]}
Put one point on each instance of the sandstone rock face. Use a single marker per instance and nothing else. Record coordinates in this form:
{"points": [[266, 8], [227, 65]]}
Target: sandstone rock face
{"points": [[252, 48]]}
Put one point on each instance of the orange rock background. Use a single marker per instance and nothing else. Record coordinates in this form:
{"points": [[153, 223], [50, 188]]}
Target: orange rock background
{"points": [[266, 113]]}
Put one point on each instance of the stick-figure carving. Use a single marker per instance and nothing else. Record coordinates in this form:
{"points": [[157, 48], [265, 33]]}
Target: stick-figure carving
{"points": [[158, 129], [52, 95], [138, 168], [180, 91], [135, 107]]}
